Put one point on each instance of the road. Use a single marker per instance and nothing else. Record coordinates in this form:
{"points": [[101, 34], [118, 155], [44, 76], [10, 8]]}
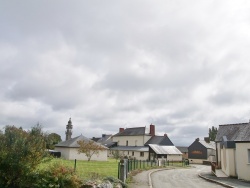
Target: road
{"points": [[182, 178]]}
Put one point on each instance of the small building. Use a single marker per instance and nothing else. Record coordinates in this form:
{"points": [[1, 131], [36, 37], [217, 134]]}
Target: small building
{"points": [[233, 150], [201, 151], [69, 150], [164, 152]]}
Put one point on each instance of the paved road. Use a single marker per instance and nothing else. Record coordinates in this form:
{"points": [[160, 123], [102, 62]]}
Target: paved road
{"points": [[181, 178]]}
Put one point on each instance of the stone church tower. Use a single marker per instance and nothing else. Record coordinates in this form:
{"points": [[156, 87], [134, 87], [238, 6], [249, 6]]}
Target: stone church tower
{"points": [[68, 131]]}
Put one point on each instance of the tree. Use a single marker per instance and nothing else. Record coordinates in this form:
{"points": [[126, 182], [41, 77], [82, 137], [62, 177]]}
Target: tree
{"points": [[212, 133], [90, 147], [20, 153], [116, 154], [51, 140]]}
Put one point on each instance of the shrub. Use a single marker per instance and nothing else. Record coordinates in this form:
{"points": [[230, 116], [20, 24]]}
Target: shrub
{"points": [[54, 176]]}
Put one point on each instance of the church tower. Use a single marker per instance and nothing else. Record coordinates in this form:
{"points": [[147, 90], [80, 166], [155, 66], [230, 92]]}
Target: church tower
{"points": [[68, 131]]}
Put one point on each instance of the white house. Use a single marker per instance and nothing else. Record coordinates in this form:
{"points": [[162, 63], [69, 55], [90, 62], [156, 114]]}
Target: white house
{"points": [[233, 150], [69, 150], [142, 144]]}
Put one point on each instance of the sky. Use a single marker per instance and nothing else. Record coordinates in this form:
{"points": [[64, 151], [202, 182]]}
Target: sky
{"points": [[180, 65]]}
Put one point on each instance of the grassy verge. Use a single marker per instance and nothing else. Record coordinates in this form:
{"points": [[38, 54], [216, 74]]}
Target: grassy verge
{"points": [[89, 169]]}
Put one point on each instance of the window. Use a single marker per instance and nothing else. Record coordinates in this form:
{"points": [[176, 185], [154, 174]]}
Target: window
{"points": [[133, 153], [135, 142], [248, 155], [141, 154], [127, 143], [128, 152]]}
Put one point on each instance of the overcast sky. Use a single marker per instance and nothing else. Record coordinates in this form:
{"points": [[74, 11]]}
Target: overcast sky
{"points": [[180, 65]]}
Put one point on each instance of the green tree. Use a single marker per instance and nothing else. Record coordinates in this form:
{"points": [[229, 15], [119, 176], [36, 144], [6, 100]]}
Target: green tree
{"points": [[90, 147], [20, 153], [212, 133], [52, 139]]}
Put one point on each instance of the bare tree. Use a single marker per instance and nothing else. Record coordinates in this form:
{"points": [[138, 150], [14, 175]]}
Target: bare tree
{"points": [[89, 148]]}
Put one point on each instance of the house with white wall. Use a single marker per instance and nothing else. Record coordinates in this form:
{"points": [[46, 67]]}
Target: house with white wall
{"points": [[233, 150], [143, 144], [69, 150]]}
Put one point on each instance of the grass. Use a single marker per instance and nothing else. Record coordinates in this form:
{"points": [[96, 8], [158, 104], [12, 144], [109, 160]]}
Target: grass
{"points": [[89, 169]]}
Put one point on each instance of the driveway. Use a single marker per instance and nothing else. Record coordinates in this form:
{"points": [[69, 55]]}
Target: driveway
{"points": [[182, 178]]}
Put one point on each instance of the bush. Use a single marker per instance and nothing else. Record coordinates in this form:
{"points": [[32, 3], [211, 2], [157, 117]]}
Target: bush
{"points": [[20, 153], [54, 176]]}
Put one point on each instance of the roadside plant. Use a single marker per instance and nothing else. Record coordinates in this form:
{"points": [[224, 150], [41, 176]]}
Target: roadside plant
{"points": [[20, 153]]}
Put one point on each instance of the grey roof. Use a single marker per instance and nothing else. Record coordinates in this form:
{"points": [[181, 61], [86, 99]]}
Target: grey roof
{"points": [[131, 148], [210, 145], [106, 140], [160, 140], [183, 149], [72, 143], [234, 132], [165, 149], [132, 131]]}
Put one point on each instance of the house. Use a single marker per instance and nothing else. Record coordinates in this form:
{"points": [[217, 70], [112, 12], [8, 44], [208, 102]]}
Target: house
{"points": [[201, 151], [106, 140], [184, 151], [142, 144], [233, 150], [69, 150], [69, 147]]}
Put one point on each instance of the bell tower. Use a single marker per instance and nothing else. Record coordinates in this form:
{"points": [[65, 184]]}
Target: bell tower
{"points": [[68, 131]]}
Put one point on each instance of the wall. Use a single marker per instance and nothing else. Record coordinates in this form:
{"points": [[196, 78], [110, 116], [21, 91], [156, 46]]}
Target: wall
{"points": [[132, 140], [174, 157], [196, 161], [136, 155], [197, 151], [72, 153], [243, 166], [228, 161], [64, 152]]}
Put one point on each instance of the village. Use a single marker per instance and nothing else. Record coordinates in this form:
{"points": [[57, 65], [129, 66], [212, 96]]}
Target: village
{"points": [[224, 154]]}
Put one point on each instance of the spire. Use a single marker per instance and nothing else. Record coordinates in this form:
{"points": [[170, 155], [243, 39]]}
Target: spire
{"points": [[68, 131]]}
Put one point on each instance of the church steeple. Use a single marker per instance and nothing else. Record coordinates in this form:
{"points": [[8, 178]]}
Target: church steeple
{"points": [[68, 131]]}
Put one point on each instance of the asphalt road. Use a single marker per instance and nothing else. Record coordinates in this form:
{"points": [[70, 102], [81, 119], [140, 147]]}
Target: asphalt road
{"points": [[181, 178]]}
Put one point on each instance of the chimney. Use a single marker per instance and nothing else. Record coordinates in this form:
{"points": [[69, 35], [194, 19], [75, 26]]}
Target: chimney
{"points": [[197, 139], [165, 134], [152, 130], [207, 140], [121, 130]]}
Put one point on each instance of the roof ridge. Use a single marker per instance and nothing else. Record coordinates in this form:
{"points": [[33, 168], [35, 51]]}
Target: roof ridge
{"points": [[234, 124]]}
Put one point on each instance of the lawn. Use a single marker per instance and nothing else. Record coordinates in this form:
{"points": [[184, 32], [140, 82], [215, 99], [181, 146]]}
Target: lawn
{"points": [[90, 169]]}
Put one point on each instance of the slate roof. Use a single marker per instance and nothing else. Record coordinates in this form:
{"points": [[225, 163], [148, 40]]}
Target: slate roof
{"points": [[106, 140], [160, 140], [210, 145], [234, 132], [165, 149], [131, 148], [183, 149], [72, 143], [132, 131]]}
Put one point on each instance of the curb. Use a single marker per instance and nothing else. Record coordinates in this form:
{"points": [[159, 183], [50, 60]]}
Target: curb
{"points": [[153, 171], [214, 181]]}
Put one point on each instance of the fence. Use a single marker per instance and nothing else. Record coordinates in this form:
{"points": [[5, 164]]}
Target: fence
{"points": [[125, 166]]}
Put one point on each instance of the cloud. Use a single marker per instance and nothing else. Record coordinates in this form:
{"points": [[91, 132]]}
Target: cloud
{"points": [[182, 66]]}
